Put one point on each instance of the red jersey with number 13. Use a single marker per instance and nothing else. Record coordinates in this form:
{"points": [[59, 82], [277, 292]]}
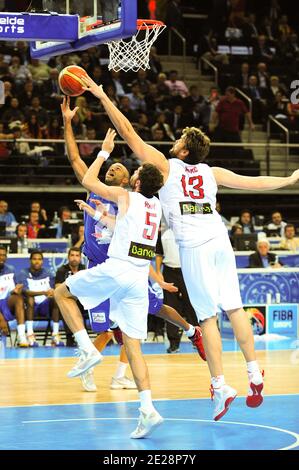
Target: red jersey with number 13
{"points": [[188, 201]]}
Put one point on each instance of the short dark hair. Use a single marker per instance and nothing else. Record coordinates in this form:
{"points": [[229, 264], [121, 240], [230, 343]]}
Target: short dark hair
{"points": [[4, 248], [197, 143], [288, 226], [151, 180], [62, 209], [231, 89], [36, 252], [74, 248]]}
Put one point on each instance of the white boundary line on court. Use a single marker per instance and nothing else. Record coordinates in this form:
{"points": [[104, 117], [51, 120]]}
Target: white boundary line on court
{"points": [[134, 401], [272, 428]]}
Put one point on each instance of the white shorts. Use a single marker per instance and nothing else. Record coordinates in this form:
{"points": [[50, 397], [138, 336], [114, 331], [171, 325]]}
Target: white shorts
{"points": [[124, 284], [211, 278]]}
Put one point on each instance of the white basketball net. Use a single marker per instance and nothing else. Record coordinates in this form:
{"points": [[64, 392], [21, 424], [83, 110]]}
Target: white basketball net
{"points": [[133, 54]]}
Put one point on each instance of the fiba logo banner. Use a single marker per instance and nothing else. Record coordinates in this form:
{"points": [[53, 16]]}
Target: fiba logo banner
{"points": [[283, 319], [257, 317]]}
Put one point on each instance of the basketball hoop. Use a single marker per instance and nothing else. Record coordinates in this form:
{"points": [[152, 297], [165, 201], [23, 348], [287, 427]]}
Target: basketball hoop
{"points": [[133, 53]]}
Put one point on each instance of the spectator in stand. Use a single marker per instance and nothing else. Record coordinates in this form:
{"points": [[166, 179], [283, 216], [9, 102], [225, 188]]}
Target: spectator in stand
{"points": [[84, 109], [8, 94], [78, 236], [142, 127], [142, 81], [262, 258], [136, 99], [162, 124], [269, 29], [88, 149], [261, 51], [4, 69], [38, 288], [40, 71], [276, 224], [242, 79], [263, 77], [196, 98], [52, 95], [32, 129], [87, 63], [5, 215], [290, 241], [258, 97], [159, 135], [26, 93], [54, 129], [235, 231], [198, 116], [176, 119], [118, 83], [208, 49], [33, 226], [64, 214], [275, 86], [285, 52], [21, 233], [176, 87], [13, 112], [78, 127], [126, 109], [227, 115], [274, 11], [36, 207], [111, 93], [284, 28], [156, 100], [11, 300], [39, 111], [249, 30], [154, 62], [19, 73], [71, 267], [245, 221], [279, 108], [213, 99]]}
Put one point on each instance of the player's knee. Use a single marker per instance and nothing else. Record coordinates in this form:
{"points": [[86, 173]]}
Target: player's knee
{"points": [[60, 292]]}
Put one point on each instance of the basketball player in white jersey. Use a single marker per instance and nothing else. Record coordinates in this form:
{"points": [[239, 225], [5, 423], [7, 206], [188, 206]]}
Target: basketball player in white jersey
{"points": [[188, 199], [123, 278]]}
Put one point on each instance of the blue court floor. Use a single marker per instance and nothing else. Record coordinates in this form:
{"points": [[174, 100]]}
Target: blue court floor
{"points": [[187, 426]]}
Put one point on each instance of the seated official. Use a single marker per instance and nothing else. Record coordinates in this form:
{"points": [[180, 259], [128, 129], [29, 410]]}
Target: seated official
{"points": [[262, 258], [290, 241]]}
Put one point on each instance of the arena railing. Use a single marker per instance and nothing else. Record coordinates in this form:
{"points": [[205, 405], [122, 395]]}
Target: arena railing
{"points": [[286, 131], [249, 101], [184, 45], [211, 66], [43, 168]]}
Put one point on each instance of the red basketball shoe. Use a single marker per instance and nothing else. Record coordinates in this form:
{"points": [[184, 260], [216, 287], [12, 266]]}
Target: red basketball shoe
{"points": [[197, 342], [255, 392]]}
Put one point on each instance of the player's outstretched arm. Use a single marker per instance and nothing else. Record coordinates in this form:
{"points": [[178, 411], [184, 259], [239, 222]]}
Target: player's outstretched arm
{"points": [[98, 214], [230, 179], [146, 153], [91, 180], [73, 154]]}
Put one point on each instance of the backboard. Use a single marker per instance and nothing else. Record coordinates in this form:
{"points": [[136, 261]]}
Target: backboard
{"points": [[97, 22]]}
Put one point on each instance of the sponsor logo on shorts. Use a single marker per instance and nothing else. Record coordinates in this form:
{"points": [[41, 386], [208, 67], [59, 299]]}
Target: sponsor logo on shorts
{"points": [[98, 317], [138, 250], [191, 208]]}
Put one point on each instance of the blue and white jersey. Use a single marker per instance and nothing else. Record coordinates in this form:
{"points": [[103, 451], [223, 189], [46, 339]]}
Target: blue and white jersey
{"points": [[37, 281], [7, 281], [97, 237]]}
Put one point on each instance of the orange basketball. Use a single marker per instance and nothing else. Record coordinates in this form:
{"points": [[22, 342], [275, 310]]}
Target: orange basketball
{"points": [[70, 80]]}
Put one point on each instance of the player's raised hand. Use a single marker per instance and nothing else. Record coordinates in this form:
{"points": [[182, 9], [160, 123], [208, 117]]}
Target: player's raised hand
{"points": [[90, 85], [108, 143], [67, 112], [100, 206], [83, 206]]}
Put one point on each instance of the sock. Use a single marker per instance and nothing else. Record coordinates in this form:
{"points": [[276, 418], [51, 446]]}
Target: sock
{"points": [[252, 367], [21, 330], [84, 341], [190, 332], [218, 381], [29, 325], [120, 370], [146, 401], [55, 327]]}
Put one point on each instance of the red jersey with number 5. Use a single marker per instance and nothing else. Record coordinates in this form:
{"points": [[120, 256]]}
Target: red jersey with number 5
{"points": [[188, 201], [135, 233]]}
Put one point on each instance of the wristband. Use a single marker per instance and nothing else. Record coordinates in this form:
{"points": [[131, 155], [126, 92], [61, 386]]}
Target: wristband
{"points": [[104, 154], [97, 216]]}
